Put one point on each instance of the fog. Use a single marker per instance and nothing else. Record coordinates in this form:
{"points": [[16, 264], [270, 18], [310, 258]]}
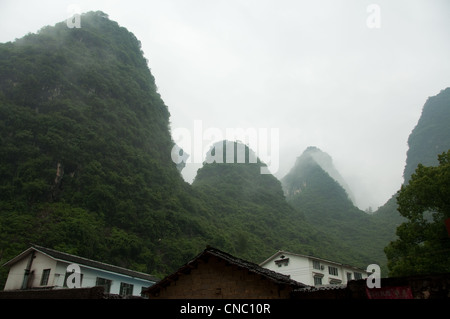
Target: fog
{"points": [[349, 77]]}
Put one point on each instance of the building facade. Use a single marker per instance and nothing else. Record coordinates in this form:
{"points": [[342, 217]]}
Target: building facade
{"points": [[214, 274], [312, 271], [43, 268]]}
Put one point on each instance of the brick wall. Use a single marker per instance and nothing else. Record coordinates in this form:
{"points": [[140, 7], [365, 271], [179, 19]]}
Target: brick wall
{"points": [[216, 279]]}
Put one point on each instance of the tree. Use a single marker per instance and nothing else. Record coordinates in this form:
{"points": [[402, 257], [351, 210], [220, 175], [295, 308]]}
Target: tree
{"points": [[423, 244]]}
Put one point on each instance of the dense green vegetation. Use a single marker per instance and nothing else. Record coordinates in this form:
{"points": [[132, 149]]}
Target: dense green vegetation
{"points": [[85, 167], [85, 163], [423, 243], [429, 138], [253, 211], [326, 205], [85, 150], [413, 239]]}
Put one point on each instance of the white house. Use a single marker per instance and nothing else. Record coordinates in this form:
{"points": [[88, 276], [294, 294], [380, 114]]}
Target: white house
{"points": [[312, 271], [40, 267]]}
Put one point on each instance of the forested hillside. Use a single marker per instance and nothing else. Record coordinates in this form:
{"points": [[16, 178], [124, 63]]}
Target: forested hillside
{"points": [[429, 138], [431, 135], [327, 206], [85, 162], [256, 219], [86, 168]]}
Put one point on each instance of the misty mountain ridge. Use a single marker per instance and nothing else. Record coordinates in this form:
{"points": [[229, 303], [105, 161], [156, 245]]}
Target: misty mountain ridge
{"points": [[231, 152], [257, 205], [86, 168], [86, 165], [429, 138], [322, 159], [431, 135], [240, 153]]}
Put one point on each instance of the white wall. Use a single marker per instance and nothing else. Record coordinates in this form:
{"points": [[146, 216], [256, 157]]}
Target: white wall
{"points": [[17, 271], [89, 279], [58, 272], [15, 276], [300, 268]]}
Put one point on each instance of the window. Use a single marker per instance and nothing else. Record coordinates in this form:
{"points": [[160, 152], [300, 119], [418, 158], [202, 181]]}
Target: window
{"points": [[45, 276], [333, 271], [358, 275], [126, 289], [106, 283], [317, 280], [316, 264], [282, 262], [349, 276]]}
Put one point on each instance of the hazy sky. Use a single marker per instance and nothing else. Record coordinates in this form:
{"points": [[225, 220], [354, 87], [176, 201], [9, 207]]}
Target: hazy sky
{"points": [[349, 77]]}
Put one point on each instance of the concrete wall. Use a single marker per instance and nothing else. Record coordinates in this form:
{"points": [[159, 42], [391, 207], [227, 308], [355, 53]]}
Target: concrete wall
{"points": [[17, 271], [300, 268], [58, 272]]}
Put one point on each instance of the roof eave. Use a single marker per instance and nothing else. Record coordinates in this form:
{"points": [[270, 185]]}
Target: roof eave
{"points": [[18, 257]]}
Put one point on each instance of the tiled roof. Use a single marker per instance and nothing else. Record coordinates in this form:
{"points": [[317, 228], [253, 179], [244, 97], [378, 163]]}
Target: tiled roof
{"points": [[83, 261], [321, 288], [252, 267], [241, 263]]}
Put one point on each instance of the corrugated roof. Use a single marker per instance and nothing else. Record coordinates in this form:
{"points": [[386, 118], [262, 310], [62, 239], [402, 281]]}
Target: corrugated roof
{"points": [[82, 261]]}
